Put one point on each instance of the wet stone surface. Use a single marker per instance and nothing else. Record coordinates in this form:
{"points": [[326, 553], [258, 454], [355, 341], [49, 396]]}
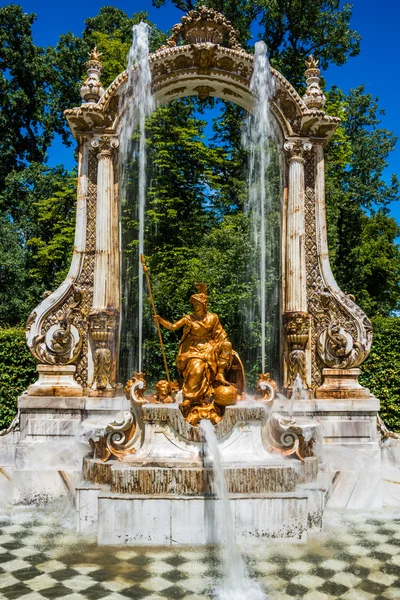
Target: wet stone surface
{"points": [[354, 559]]}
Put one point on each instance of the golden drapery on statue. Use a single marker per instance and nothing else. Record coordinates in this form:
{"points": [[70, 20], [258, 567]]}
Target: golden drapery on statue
{"points": [[212, 373]]}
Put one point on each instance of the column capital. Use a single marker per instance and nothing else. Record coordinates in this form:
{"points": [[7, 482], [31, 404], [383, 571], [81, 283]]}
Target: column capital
{"points": [[295, 149], [105, 144]]}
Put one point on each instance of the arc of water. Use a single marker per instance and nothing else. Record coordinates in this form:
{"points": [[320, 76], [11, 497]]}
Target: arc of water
{"points": [[256, 139], [138, 104]]}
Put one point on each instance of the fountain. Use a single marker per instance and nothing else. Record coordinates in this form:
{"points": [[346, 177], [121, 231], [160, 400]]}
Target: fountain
{"points": [[148, 479]]}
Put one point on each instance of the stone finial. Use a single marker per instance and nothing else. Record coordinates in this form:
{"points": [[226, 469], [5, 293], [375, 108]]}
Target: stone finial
{"points": [[314, 96], [91, 90]]}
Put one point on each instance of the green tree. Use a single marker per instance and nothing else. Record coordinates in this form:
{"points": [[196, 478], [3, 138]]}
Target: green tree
{"points": [[38, 207], [362, 236], [26, 127]]}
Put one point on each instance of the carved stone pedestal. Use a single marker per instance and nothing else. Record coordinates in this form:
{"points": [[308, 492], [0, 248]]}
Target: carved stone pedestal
{"points": [[162, 492], [55, 380], [340, 384]]}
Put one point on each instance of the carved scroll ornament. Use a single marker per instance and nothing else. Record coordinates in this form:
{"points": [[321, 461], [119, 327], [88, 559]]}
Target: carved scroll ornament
{"points": [[61, 343], [266, 389], [288, 436], [336, 346]]}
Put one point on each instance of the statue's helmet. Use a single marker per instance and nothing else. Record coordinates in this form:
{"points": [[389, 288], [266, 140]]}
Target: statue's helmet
{"points": [[201, 295]]}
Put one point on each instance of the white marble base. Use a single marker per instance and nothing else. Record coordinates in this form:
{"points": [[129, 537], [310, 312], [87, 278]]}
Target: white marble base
{"points": [[342, 421], [143, 520], [45, 418]]}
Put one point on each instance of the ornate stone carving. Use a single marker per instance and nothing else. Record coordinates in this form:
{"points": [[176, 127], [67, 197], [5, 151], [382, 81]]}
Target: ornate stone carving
{"points": [[120, 436], [85, 279], [314, 96], [336, 347], [105, 144], [175, 91], [266, 388], [289, 436], [296, 327], [164, 392], [91, 89], [103, 325], [61, 343], [136, 387], [229, 92], [203, 25], [204, 91], [296, 148], [204, 57]]}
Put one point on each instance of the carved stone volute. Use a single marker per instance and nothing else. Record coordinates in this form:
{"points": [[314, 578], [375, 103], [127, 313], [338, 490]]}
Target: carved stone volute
{"points": [[61, 342]]}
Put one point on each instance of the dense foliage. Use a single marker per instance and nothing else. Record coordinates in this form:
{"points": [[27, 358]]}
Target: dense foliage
{"points": [[17, 371], [382, 367]]}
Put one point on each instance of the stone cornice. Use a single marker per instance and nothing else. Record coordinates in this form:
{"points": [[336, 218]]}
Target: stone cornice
{"points": [[182, 66]]}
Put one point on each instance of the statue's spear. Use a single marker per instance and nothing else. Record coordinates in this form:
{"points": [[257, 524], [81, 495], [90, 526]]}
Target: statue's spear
{"points": [[146, 272]]}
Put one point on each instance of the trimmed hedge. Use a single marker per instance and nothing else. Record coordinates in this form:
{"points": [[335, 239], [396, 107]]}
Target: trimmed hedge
{"points": [[17, 371], [380, 372]]}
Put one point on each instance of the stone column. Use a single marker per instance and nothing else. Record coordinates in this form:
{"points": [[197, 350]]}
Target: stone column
{"points": [[296, 318], [104, 315]]}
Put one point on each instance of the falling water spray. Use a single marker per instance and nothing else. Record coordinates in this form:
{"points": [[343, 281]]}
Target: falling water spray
{"points": [[137, 104], [236, 583], [256, 139]]}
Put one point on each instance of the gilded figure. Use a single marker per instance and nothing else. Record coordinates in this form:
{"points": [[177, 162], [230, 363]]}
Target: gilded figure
{"points": [[206, 363]]}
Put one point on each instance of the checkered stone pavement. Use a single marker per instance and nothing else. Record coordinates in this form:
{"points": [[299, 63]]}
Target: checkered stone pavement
{"points": [[40, 557]]}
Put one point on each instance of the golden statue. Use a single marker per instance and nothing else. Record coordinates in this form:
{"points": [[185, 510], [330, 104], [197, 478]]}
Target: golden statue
{"points": [[211, 371]]}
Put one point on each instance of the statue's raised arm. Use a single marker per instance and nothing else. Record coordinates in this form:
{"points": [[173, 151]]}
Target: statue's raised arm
{"points": [[171, 326]]}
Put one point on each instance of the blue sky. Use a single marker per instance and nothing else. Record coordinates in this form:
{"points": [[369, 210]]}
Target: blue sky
{"points": [[377, 66]]}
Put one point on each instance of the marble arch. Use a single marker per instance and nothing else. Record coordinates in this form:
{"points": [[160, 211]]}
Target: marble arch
{"points": [[73, 333]]}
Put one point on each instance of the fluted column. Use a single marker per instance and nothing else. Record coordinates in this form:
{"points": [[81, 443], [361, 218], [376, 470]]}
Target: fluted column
{"points": [[104, 315], [296, 318], [105, 291]]}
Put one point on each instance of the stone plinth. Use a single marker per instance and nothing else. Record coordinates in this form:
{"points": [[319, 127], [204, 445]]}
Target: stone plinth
{"points": [[48, 418], [342, 384], [55, 380], [341, 421]]}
